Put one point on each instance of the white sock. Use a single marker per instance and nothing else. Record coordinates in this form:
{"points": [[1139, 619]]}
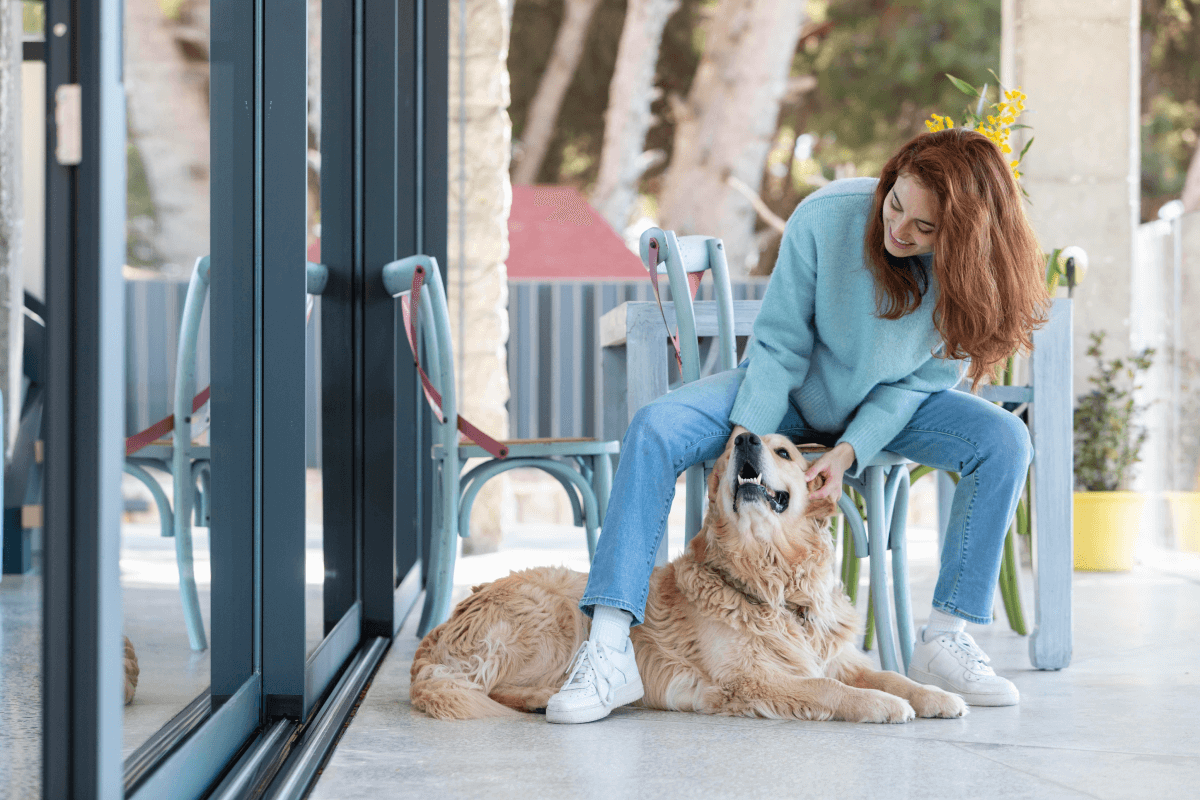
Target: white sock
{"points": [[941, 622], [610, 626]]}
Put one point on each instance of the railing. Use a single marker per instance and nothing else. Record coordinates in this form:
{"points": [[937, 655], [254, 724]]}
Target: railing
{"points": [[555, 379]]}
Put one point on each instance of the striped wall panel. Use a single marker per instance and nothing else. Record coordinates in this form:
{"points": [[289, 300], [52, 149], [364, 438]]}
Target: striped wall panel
{"points": [[554, 371]]}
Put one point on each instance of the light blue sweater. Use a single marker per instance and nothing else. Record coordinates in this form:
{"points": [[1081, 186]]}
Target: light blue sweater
{"points": [[818, 340]]}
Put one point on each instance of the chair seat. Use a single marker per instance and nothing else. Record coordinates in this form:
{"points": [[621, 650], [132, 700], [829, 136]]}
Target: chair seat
{"points": [[542, 448], [161, 450]]}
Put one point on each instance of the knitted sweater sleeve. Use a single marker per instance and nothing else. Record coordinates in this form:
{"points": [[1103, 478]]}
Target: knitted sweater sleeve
{"points": [[781, 349], [889, 407]]}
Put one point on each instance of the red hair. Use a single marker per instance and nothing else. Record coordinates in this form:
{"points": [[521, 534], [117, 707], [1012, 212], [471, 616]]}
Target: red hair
{"points": [[988, 264]]}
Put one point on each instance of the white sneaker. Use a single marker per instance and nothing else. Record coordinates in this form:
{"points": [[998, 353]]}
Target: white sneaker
{"points": [[952, 661], [600, 680]]}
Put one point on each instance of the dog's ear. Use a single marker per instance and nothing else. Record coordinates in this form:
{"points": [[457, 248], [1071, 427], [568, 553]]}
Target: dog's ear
{"points": [[714, 479], [824, 507]]}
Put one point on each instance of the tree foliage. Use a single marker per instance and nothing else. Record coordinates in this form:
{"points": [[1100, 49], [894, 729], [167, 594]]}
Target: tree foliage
{"points": [[881, 70], [1170, 98]]}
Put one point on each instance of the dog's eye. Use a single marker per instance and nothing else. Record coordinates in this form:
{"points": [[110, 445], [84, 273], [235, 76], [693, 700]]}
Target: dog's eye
{"points": [[783, 453]]}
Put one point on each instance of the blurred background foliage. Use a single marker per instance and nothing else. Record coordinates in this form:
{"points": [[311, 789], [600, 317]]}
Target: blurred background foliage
{"points": [[1170, 98], [866, 74]]}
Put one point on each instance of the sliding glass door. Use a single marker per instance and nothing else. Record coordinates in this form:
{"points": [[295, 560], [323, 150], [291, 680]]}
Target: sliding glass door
{"points": [[225, 181]]}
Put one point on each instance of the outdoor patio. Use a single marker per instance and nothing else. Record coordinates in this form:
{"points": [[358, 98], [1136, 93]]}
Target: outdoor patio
{"points": [[1119, 722]]}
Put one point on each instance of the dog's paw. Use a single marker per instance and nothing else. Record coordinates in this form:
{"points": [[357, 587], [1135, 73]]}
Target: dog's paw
{"points": [[930, 701], [880, 706]]}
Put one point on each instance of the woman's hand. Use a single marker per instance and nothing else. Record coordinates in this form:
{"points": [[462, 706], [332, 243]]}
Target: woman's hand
{"points": [[831, 465]]}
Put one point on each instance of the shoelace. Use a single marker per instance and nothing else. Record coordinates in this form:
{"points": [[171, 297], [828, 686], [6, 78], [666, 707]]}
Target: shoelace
{"points": [[963, 641], [583, 670]]}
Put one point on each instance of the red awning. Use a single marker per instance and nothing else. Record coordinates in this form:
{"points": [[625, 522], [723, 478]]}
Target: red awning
{"points": [[554, 234]]}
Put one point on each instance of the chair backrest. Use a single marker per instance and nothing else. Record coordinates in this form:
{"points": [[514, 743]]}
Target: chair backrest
{"points": [[433, 339], [677, 257]]}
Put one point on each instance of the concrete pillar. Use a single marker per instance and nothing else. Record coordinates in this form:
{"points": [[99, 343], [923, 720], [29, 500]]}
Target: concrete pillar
{"points": [[1078, 62], [11, 219], [480, 196]]}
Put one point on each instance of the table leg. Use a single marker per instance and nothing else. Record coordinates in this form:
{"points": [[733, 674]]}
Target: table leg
{"points": [[1051, 428]]}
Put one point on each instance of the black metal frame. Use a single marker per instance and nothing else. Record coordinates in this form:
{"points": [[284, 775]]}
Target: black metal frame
{"points": [[384, 196]]}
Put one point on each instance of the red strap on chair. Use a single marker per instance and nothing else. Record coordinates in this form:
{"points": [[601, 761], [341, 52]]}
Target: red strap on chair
{"points": [[693, 279], [163, 426], [410, 307]]}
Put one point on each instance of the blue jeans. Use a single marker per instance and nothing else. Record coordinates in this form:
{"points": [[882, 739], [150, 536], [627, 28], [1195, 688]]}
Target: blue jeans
{"points": [[956, 431]]}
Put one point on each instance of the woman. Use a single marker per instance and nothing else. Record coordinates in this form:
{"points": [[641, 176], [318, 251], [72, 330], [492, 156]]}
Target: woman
{"points": [[885, 292]]}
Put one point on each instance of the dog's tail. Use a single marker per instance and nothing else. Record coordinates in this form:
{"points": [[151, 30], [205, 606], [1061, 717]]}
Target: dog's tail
{"points": [[455, 690]]}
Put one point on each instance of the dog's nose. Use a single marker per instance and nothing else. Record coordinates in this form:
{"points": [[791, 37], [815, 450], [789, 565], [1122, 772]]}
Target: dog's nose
{"points": [[746, 441]]}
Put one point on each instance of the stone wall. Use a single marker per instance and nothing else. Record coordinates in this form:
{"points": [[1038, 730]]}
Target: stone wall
{"points": [[480, 196]]}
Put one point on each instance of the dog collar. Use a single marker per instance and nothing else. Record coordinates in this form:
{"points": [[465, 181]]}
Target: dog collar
{"points": [[800, 611]]}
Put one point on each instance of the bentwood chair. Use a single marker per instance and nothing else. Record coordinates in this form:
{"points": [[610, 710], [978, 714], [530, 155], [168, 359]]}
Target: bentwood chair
{"points": [[582, 466], [170, 446], [884, 483], [684, 260]]}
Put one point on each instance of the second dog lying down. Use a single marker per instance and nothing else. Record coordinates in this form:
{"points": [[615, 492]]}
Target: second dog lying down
{"points": [[750, 620]]}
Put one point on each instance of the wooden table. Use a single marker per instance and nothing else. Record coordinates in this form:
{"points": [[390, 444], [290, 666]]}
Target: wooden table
{"points": [[635, 354]]}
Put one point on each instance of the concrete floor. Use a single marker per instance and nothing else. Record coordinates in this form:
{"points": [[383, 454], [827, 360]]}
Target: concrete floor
{"points": [[1120, 722], [171, 673]]}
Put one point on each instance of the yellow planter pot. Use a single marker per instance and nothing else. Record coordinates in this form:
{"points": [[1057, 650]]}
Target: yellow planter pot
{"points": [[1106, 528], [1185, 513]]}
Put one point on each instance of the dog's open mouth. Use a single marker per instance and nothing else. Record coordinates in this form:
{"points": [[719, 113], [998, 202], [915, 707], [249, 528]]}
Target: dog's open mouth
{"points": [[749, 486]]}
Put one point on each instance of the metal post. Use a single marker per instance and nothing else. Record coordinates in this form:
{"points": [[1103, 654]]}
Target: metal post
{"points": [[85, 247]]}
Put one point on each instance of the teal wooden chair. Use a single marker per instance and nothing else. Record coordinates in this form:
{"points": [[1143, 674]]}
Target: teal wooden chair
{"points": [[169, 446], [879, 525], [582, 466], [684, 260], [884, 484]]}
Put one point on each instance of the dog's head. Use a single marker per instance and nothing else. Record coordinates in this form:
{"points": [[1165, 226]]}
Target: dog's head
{"points": [[758, 489]]}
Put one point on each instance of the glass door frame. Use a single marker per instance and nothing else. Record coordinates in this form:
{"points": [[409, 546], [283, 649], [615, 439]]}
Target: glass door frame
{"points": [[384, 188]]}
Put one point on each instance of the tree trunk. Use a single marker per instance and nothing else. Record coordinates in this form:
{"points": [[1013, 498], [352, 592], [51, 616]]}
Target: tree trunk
{"points": [[726, 125], [1191, 184], [627, 118], [560, 71], [11, 265], [168, 124]]}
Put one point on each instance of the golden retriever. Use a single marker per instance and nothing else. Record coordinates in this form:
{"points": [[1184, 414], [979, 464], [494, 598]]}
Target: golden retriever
{"points": [[749, 620]]}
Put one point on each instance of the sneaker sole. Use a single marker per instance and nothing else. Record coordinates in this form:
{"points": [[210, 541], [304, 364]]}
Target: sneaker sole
{"points": [[629, 693], [972, 699]]}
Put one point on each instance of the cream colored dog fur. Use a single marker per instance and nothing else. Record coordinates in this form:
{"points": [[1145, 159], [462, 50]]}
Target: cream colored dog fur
{"points": [[749, 620]]}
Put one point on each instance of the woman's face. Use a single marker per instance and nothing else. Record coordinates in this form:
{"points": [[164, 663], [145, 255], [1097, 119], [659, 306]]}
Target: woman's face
{"points": [[909, 218]]}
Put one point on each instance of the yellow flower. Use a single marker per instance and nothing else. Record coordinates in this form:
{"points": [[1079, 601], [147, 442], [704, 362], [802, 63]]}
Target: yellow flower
{"points": [[996, 128]]}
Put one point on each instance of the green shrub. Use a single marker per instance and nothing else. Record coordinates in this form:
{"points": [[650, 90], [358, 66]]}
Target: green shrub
{"points": [[1107, 442]]}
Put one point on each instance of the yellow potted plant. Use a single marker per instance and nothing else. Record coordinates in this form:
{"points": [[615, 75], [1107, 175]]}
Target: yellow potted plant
{"points": [[1107, 446], [1185, 505]]}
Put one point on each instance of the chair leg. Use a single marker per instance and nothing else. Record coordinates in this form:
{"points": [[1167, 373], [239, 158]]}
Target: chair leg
{"points": [[898, 539], [877, 532], [188, 594], [439, 575], [695, 502], [602, 482]]}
